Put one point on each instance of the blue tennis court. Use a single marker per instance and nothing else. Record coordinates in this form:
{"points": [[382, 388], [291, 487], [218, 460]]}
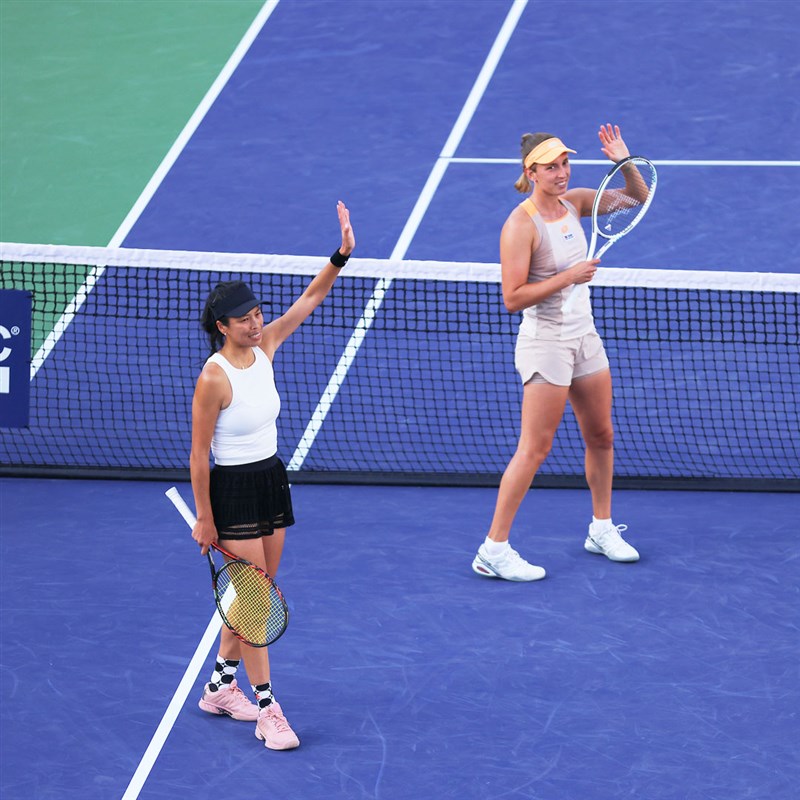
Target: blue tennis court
{"points": [[374, 126], [406, 675]]}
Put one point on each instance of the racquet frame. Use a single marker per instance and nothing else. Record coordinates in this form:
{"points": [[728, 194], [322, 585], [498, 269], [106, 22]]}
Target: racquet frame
{"points": [[596, 230], [596, 213]]}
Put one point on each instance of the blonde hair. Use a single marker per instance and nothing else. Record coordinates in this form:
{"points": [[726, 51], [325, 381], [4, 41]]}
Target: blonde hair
{"points": [[528, 143]]}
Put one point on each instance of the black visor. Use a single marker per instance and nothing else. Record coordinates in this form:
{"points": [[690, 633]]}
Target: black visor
{"points": [[235, 304]]}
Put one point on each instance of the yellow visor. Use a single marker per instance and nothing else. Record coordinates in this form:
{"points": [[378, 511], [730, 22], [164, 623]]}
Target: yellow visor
{"points": [[546, 151]]}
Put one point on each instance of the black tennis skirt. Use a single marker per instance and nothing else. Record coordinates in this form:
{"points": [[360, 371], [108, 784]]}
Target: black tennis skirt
{"points": [[251, 500]]}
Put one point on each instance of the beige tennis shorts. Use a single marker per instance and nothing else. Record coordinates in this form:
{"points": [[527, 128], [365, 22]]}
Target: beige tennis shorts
{"points": [[556, 362]]}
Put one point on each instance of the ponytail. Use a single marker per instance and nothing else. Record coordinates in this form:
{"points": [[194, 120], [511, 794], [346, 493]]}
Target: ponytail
{"points": [[207, 320], [523, 185]]}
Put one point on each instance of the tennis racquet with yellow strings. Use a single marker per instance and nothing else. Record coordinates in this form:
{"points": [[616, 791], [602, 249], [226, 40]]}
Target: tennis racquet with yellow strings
{"points": [[248, 600]]}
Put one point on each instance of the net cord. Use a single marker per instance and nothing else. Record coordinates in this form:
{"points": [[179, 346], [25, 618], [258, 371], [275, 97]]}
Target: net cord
{"points": [[387, 269]]}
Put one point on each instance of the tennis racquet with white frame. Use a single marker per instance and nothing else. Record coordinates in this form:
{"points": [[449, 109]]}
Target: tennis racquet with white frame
{"points": [[622, 200], [248, 600]]}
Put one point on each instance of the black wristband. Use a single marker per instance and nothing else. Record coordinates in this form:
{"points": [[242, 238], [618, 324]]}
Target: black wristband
{"points": [[338, 260]]}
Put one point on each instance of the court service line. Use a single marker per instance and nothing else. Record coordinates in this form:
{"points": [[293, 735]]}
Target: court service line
{"points": [[407, 234], [155, 181], [212, 629]]}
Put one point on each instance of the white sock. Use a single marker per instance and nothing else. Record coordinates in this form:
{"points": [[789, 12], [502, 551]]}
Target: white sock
{"points": [[602, 523], [494, 548]]}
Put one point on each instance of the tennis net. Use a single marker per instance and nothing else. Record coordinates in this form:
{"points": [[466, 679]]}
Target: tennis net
{"points": [[405, 373]]}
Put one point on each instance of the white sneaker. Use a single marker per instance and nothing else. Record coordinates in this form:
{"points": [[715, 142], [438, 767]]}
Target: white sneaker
{"points": [[608, 542], [509, 565]]}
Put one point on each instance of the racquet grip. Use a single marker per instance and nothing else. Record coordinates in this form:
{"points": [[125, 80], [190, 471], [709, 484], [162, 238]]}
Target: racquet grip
{"points": [[180, 504]]}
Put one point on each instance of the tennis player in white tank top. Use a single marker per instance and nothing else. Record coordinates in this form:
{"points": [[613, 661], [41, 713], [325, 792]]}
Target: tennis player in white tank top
{"points": [[246, 498], [559, 355]]}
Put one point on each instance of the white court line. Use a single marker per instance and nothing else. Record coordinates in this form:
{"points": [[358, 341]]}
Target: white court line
{"points": [[657, 162], [209, 637], [174, 708], [155, 181], [407, 234]]}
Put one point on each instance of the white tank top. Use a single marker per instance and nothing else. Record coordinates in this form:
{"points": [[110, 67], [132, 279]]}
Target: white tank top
{"points": [[246, 430], [562, 244]]}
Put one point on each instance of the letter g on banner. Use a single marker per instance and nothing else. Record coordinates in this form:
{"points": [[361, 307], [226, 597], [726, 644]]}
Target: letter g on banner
{"points": [[15, 358]]}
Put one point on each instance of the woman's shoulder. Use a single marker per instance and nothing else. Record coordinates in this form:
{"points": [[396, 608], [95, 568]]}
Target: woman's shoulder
{"points": [[212, 382], [525, 210], [522, 215], [216, 365], [521, 228]]}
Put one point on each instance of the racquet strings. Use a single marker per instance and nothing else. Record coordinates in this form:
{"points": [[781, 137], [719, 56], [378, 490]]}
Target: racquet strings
{"points": [[257, 611], [625, 198]]}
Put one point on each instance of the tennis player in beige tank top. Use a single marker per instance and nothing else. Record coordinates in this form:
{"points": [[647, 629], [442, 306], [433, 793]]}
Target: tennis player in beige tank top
{"points": [[559, 355]]}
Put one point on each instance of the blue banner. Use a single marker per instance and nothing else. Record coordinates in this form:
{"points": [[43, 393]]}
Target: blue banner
{"points": [[15, 358]]}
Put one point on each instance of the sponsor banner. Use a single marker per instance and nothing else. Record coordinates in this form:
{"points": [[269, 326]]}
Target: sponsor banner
{"points": [[15, 358]]}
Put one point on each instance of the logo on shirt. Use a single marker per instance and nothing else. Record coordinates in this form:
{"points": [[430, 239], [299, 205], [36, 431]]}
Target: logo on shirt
{"points": [[565, 232]]}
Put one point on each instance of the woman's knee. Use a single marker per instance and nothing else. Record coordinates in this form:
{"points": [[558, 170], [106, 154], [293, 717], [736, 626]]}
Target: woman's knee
{"points": [[601, 438], [533, 454]]}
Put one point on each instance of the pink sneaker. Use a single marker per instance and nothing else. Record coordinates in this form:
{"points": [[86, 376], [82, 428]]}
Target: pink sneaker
{"points": [[273, 729], [230, 701]]}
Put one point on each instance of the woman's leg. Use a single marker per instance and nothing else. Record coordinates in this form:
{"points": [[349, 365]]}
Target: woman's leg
{"points": [[271, 725], [265, 553], [256, 659], [542, 409], [232, 651], [273, 550], [590, 398]]}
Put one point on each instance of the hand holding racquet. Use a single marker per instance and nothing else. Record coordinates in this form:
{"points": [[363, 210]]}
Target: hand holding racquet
{"points": [[249, 601], [622, 199]]}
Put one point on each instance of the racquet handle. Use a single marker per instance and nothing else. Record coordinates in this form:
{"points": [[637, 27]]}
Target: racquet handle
{"points": [[180, 504], [190, 518]]}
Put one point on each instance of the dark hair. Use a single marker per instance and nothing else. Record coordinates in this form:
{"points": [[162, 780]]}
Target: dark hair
{"points": [[528, 143], [208, 319]]}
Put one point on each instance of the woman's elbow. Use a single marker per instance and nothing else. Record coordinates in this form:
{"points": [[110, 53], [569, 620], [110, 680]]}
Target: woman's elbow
{"points": [[198, 457]]}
